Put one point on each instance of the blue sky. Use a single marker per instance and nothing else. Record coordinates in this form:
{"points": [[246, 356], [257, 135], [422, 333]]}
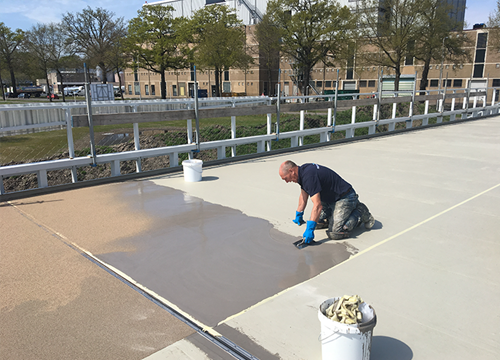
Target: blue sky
{"points": [[26, 13]]}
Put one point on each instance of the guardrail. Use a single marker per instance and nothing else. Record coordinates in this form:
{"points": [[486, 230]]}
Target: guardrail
{"points": [[264, 142]]}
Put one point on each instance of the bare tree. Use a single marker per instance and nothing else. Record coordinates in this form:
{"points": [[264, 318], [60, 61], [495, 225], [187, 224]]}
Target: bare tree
{"points": [[95, 34], [39, 43], [10, 41]]}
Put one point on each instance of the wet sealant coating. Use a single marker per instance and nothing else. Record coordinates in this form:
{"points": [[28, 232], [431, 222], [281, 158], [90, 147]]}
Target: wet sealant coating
{"points": [[210, 260]]}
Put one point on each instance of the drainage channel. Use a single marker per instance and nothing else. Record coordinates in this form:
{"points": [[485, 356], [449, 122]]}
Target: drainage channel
{"points": [[222, 342]]}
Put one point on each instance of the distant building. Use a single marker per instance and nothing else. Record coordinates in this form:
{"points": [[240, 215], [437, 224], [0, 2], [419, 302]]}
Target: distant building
{"points": [[248, 11], [483, 71]]}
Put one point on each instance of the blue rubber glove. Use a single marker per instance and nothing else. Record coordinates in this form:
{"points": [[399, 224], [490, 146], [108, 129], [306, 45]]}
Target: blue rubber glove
{"points": [[298, 218], [309, 233]]}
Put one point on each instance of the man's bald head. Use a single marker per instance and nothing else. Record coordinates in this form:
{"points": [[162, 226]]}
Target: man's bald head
{"points": [[289, 171]]}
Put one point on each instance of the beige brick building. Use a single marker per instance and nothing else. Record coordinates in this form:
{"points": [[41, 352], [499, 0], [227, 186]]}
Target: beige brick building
{"points": [[484, 70]]}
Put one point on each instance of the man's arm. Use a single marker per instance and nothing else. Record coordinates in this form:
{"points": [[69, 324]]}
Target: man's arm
{"points": [[317, 207], [302, 200]]}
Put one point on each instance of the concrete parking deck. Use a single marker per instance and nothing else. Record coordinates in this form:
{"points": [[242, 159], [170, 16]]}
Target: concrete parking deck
{"points": [[75, 265]]}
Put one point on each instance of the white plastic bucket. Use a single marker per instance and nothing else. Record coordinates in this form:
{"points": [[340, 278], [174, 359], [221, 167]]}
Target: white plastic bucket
{"points": [[192, 170], [346, 342]]}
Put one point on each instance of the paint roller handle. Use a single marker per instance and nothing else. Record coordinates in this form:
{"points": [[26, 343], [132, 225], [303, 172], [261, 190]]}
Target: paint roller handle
{"points": [[299, 218]]}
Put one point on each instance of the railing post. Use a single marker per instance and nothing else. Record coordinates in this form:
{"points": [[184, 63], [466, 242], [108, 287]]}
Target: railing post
{"points": [[137, 142], [190, 136], [233, 132], [301, 125], [329, 118], [89, 112], [425, 120], [71, 145], [392, 125], [453, 116], [409, 123], [41, 177], [115, 167], [336, 99], [233, 135], [269, 129]]}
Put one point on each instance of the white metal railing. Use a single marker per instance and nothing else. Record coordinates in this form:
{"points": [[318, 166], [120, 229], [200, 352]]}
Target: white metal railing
{"points": [[264, 142], [16, 119]]}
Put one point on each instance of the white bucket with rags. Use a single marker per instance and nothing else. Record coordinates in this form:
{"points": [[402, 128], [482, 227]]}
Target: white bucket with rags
{"points": [[346, 341], [192, 170]]}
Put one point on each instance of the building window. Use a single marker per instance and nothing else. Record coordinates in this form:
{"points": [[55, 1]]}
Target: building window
{"points": [[457, 83], [153, 90], [319, 84], [434, 83], [137, 89], [362, 83], [192, 71], [371, 83], [146, 89], [226, 75], [480, 56], [174, 90], [482, 39], [478, 70], [130, 89], [328, 84], [350, 73], [408, 60], [447, 83]]}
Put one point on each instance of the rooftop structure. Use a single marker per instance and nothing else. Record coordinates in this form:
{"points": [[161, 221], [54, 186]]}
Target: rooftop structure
{"points": [[163, 269]]}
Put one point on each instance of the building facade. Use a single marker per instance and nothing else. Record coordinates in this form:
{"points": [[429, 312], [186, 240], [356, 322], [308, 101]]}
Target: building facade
{"points": [[482, 71]]}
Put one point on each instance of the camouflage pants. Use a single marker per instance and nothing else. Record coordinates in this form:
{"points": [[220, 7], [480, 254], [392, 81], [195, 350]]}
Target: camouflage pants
{"points": [[344, 215]]}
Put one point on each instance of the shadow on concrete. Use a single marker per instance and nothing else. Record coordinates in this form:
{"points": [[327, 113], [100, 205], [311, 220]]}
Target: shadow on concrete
{"points": [[209, 178], [387, 348]]}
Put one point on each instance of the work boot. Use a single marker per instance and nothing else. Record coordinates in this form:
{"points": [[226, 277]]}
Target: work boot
{"points": [[369, 224], [366, 217]]}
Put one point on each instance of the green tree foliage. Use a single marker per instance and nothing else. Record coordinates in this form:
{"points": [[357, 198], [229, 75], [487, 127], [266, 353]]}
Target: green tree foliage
{"points": [[494, 24], [10, 42], [95, 34], [268, 39], [389, 29], [219, 41], [437, 40], [311, 32], [157, 41]]}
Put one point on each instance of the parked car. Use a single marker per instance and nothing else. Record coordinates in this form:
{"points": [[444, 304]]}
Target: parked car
{"points": [[53, 96], [24, 96], [9, 95]]}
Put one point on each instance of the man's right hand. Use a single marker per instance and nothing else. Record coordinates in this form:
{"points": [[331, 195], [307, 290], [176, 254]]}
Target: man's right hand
{"points": [[299, 220]]}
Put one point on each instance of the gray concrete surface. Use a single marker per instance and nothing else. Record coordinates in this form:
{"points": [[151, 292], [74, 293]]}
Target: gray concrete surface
{"points": [[220, 251]]}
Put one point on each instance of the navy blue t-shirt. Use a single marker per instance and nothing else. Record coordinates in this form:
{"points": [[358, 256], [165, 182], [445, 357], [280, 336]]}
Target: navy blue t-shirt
{"points": [[314, 178]]}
